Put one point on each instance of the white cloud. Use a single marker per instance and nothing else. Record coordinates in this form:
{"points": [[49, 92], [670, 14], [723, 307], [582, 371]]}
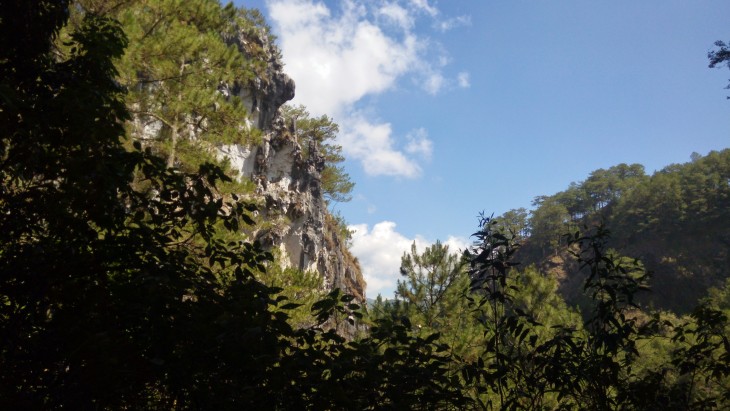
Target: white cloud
{"points": [[339, 56], [443, 60], [373, 145], [457, 244], [380, 250], [434, 83], [398, 15], [336, 60], [463, 80], [452, 23], [424, 6], [419, 144]]}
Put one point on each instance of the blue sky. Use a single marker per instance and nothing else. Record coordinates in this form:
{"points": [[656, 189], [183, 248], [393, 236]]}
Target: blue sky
{"points": [[450, 108]]}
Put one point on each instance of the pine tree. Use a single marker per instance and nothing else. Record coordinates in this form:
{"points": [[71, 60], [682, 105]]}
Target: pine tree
{"points": [[433, 295], [316, 135], [112, 298], [175, 67]]}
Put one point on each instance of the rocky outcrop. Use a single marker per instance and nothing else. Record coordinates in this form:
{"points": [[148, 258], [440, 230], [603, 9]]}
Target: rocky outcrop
{"points": [[271, 87], [294, 217], [298, 222]]}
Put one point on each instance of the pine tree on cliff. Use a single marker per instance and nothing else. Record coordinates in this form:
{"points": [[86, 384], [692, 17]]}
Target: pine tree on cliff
{"points": [[174, 68], [319, 134]]}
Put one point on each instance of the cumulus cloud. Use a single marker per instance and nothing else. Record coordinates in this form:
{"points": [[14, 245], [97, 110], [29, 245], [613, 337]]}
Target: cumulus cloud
{"points": [[457, 244], [373, 144], [338, 59], [380, 249], [338, 56]]}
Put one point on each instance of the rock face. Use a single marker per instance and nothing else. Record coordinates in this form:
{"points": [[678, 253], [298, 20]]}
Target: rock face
{"points": [[298, 223], [294, 218]]}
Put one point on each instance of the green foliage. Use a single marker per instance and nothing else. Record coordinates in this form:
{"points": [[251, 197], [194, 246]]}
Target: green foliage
{"points": [[107, 301], [173, 68], [598, 366], [428, 278], [547, 223], [340, 225], [116, 297], [537, 295], [653, 223], [610, 345], [432, 295], [584, 201], [302, 288], [511, 371], [515, 223], [124, 286], [720, 297], [703, 365], [720, 57], [649, 216], [179, 59], [316, 136]]}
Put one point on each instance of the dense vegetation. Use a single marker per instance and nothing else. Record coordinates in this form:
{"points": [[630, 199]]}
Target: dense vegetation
{"points": [[531, 351], [676, 221], [125, 282]]}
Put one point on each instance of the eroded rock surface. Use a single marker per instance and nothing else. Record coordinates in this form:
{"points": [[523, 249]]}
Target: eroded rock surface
{"points": [[290, 184]]}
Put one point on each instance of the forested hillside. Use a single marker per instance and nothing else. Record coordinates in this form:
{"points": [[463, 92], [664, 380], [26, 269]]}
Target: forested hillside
{"points": [[676, 221], [132, 275]]}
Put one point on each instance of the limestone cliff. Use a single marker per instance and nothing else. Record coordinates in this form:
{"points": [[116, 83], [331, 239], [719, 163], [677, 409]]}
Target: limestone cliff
{"points": [[299, 224]]}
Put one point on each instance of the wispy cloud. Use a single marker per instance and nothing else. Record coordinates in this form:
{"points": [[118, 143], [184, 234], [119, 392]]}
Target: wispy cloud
{"points": [[398, 15], [423, 5], [463, 80], [434, 83], [340, 56], [419, 144], [452, 23]]}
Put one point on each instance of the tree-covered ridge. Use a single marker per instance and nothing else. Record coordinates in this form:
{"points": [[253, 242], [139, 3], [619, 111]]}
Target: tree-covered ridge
{"points": [[519, 346], [650, 217]]}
